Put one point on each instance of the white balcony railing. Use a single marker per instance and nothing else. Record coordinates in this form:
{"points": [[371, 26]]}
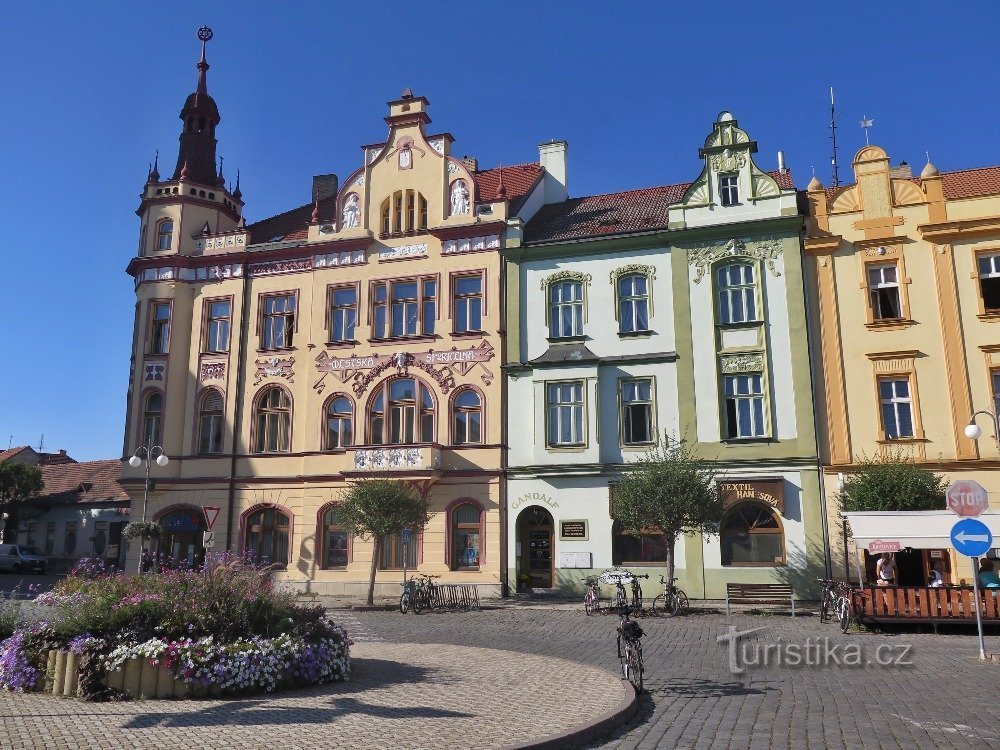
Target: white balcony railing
{"points": [[396, 458]]}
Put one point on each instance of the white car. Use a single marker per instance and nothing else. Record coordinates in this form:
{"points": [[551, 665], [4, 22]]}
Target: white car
{"points": [[20, 558]]}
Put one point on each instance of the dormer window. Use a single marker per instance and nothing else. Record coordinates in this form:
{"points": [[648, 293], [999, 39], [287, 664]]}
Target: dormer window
{"points": [[164, 234], [729, 191]]}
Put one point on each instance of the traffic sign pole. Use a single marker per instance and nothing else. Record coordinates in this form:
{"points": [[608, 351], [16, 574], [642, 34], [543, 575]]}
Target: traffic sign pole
{"points": [[979, 615]]}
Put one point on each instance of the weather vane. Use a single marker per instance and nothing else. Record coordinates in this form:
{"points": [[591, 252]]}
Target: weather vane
{"points": [[867, 122], [205, 33]]}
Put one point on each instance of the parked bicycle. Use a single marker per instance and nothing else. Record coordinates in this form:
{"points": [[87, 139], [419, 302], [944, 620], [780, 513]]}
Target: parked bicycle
{"points": [[427, 592], [843, 607], [592, 598], [618, 577], [672, 600], [410, 598], [630, 649], [636, 603], [826, 597]]}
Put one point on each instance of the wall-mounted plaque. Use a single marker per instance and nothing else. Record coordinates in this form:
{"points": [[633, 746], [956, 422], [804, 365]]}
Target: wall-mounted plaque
{"points": [[770, 491], [574, 529]]}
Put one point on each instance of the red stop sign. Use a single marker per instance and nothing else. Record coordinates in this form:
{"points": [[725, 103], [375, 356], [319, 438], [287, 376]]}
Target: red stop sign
{"points": [[966, 498]]}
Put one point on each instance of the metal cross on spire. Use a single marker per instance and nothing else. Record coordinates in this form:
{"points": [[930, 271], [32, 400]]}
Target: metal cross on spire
{"points": [[867, 122]]}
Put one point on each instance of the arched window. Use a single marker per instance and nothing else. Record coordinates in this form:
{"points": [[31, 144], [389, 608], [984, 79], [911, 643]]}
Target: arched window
{"points": [[274, 421], [152, 418], [401, 413], [751, 534], [339, 423], [335, 540], [385, 216], [266, 536], [467, 418], [164, 234], [466, 529], [210, 422], [737, 292]]}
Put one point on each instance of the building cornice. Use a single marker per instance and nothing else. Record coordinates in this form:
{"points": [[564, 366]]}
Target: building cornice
{"points": [[949, 231]]}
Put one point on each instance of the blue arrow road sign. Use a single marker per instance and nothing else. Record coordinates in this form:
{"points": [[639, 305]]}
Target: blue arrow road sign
{"points": [[971, 537]]}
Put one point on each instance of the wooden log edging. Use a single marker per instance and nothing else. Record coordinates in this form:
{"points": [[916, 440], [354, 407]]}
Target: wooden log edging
{"points": [[137, 678]]}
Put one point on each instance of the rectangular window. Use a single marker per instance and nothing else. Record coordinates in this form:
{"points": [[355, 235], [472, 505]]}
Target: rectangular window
{"points": [[566, 309], [637, 411], [744, 406], [633, 304], [729, 191], [883, 292], [392, 556], [404, 308], [989, 282], [50, 537], [159, 332], [217, 327], [995, 377], [343, 313], [897, 408], [737, 292], [565, 413], [467, 304], [279, 322]]}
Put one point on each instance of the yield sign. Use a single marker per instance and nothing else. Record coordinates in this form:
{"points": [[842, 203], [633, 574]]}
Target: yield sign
{"points": [[210, 515], [966, 498]]}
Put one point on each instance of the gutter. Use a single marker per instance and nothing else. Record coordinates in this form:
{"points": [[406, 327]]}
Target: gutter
{"points": [[238, 415]]}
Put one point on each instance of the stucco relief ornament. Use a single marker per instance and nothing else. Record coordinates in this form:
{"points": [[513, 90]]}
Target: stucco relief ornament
{"points": [[728, 161], [459, 198], [352, 212], [401, 360], [766, 251], [274, 367], [743, 363]]}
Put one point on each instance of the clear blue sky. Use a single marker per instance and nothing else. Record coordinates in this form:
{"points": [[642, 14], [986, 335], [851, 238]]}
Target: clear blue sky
{"points": [[92, 89]]}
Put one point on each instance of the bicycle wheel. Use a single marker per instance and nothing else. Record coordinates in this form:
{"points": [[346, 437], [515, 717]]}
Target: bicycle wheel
{"points": [[635, 666], [588, 603], [418, 603], [404, 602], [681, 603], [845, 615], [658, 607], [824, 604], [623, 657]]}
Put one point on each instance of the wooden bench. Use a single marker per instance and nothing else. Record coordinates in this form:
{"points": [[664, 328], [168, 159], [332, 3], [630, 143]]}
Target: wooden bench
{"points": [[917, 604], [759, 593]]}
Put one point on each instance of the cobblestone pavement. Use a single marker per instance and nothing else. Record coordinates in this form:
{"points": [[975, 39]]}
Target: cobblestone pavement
{"points": [[945, 697], [408, 696]]}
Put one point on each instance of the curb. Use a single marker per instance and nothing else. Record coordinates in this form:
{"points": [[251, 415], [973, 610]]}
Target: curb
{"points": [[584, 733]]}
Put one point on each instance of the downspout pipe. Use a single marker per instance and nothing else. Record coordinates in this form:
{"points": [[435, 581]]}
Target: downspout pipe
{"points": [[238, 411]]}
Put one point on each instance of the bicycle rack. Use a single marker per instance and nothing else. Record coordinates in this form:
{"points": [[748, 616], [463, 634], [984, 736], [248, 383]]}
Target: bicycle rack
{"points": [[456, 597]]}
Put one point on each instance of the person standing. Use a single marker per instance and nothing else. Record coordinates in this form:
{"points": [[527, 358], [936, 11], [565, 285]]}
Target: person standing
{"points": [[885, 570]]}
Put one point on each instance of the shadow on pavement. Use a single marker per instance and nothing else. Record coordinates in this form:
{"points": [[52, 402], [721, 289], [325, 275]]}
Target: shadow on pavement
{"points": [[705, 689], [366, 675]]}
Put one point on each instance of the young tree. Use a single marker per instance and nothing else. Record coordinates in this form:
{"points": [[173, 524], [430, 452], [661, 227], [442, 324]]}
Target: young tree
{"points": [[671, 491], [18, 482], [375, 508], [892, 483]]}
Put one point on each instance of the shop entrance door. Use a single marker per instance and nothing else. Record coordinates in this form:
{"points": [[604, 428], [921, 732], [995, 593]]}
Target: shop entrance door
{"points": [[535, 537]]}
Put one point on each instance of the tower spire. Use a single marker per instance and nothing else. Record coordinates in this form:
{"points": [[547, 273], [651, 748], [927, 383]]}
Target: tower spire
{"points": [[200, 116]]}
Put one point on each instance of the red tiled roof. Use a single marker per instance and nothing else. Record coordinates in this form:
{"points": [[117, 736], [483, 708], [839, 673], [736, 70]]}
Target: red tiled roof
{"points": [[84, 482], [290, 225], [518, 180], [971, 183], [615, 213], [11, 452]]}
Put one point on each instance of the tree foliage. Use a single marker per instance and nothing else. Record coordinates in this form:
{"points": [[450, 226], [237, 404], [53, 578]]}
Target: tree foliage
{"points": [[376, 508], [892, 483], [19, 482], [671, 491]]}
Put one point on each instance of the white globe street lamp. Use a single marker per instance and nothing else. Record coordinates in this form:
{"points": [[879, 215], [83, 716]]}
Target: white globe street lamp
{"points": [[145, 454]]}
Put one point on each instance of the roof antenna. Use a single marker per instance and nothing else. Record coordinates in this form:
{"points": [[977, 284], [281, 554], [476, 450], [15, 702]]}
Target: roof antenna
{"points": [[41, 443], [10, 442], [833, 137], [867, 122]]}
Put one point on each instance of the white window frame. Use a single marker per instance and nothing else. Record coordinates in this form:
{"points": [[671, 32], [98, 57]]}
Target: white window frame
{"points": [[635, 301], [759, 422], [574, 304], [741, 295], [729, 189], [624, 406], [897, 402], [557, 411], [876, 279]]}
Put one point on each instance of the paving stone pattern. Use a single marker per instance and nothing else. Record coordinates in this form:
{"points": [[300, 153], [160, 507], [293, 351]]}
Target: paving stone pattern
{"points": [[410, 696], [946, 698]]}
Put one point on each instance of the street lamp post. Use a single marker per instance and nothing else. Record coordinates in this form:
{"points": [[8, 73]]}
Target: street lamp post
{"points": [[146, 453], [974, 431]]}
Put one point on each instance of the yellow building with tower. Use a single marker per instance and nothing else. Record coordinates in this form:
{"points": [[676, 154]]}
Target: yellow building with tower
{"points": [[903, 281], [355, 336]]}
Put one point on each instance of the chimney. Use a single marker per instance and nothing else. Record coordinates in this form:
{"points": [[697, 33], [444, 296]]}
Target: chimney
{"points": [[471, 162], [781, 162], [902, 171], [552, 158], [324, 186]]}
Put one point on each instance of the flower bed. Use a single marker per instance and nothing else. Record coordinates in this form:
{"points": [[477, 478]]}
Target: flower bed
{"points": [[220, 629]]}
